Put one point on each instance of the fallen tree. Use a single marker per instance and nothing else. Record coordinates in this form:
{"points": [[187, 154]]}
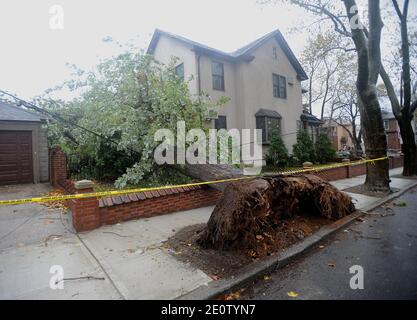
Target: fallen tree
{"points": [[249, 212]]}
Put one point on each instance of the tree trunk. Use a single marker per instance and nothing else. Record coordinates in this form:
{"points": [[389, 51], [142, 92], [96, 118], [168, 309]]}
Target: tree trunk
{"points": [[377, 173], [409, 146], [213, 172], [369, 65]]}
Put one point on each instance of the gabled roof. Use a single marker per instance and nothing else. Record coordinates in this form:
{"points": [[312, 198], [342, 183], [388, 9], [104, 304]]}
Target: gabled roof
{"points": [[243, 53], [9, 112]]}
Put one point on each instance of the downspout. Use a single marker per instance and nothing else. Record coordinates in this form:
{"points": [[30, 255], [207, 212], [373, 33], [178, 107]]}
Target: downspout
{"points": [[198, 75]]}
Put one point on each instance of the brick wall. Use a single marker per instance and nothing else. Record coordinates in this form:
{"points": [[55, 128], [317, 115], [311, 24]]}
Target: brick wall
{"points": [[354, 170], [157, 205], [57, 167], [90, 213]]}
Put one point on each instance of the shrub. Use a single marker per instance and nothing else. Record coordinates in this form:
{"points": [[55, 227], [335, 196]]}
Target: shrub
{"points": [[303, 150], [324, 149], [277, 154]]}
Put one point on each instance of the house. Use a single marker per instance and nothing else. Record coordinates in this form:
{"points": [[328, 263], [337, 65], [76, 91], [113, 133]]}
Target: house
{"points": [[23, 146], [339, 135], [262, 79], [392, 131]]}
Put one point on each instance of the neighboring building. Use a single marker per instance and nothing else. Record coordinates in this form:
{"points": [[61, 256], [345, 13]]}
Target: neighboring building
{"points": [[262, 80], [23, 146], [311, 124], [339, 135], [392, 130]]}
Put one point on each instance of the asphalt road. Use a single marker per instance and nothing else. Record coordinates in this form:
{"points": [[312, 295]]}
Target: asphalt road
{"points": [[384, 244]]}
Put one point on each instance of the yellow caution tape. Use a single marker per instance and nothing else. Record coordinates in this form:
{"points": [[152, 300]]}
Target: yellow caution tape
{"points": [[122, 192]]}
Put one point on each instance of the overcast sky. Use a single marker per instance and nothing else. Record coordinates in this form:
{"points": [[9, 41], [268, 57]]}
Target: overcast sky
{"points": [[34, 56]]}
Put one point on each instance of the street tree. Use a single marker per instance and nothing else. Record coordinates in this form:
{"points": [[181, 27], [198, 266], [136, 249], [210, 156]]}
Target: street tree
{"points": [[345, 20], [404, 108]]}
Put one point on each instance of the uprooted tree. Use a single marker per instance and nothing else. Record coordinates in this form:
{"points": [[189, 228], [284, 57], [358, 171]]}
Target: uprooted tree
{"points": [[253, 208]]}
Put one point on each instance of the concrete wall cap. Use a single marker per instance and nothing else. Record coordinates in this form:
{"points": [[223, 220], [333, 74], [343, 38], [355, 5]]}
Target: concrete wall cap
{"points": [[83, 184]]}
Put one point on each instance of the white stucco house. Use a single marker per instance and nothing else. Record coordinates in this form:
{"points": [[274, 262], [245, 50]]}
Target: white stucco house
{"points": [[262, 79]]}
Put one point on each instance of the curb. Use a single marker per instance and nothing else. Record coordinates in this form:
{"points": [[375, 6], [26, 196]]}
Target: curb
{"points": [[381, 201], [253, 271]]}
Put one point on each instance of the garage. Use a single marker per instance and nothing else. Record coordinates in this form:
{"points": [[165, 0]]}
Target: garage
{"points": [[23, 146]]}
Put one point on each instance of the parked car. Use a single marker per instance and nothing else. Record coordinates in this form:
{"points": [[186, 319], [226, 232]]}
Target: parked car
{"points": [[343, 154]]}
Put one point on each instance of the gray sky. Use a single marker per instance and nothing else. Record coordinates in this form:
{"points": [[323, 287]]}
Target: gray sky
{"points": [[33, 56]]}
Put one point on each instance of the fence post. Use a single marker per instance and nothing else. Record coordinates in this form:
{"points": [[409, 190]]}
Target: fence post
{"points": [[58, 166], [85, 211]]}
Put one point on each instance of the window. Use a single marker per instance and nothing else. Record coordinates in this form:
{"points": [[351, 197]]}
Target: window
{"points": [[386, 125], [220, 123], [217, 70], [274, 53], [279, 86], [179, 71], [267, 125]]}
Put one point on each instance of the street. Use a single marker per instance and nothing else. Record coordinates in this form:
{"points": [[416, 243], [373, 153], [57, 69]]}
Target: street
{"points": [[384, 244]]}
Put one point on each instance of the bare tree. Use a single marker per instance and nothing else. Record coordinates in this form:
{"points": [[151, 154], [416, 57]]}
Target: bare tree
{"points": [[322, 59], [367, 44], [404, 109], [348, 116]]}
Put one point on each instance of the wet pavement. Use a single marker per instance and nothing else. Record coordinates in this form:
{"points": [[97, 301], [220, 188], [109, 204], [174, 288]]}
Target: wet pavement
{"points": [[383, 243]]}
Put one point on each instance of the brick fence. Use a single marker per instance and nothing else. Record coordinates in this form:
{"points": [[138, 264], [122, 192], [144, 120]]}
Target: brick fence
{"points": [[91, 213], [355, 170]]}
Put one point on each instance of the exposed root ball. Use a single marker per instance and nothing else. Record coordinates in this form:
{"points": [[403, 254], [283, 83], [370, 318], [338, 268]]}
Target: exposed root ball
{"points": [[250, 211]]}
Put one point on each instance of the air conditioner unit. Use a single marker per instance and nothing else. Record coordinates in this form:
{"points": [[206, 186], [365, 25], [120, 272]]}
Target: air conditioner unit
{"points": [[290, 80], [212, 113]]}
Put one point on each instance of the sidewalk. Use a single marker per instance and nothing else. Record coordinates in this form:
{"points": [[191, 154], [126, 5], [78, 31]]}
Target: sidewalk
{"points": [[129, 256]]}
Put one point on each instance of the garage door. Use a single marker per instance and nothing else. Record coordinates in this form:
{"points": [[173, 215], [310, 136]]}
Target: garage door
{"points": [[16, 165]]}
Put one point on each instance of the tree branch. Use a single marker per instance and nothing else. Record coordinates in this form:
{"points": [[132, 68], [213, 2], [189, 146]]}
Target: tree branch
{"points": [[397, 9], [374, 40], [395, 104]]}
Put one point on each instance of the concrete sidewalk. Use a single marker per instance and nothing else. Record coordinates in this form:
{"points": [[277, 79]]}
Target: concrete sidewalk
{"points": [[129, 256]]}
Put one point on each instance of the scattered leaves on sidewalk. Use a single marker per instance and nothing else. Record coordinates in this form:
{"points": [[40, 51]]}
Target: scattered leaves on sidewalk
{"points": [[400, 204], [292, 294], [58, 204], [233, 296], [51, 237], [267, 277], [214, 277], [330, 264]]}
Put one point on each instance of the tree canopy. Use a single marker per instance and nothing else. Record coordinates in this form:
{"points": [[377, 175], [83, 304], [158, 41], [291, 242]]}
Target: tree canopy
{"points": [[126, 100]]}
